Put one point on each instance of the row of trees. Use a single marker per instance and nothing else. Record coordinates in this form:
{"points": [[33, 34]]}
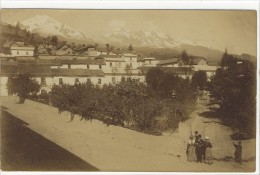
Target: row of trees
{"points": [[234, 88], [125, 104], [130, 103], [157, 105]]}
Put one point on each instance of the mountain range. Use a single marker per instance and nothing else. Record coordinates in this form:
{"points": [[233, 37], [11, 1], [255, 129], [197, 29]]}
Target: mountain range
{"points": [[46, 26]]}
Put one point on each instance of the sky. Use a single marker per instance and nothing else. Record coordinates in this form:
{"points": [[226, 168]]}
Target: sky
{"points": [[219, 29]]}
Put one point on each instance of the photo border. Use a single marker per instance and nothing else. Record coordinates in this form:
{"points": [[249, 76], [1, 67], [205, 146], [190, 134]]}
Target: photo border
{"points": [[142, 5]]}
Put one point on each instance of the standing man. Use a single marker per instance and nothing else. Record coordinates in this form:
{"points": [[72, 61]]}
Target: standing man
{"points": [[196, 136], [199, 148], [238, 152]]}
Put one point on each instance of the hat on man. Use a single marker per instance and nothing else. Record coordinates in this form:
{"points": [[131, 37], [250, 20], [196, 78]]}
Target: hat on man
{"points": [[207, 138]]}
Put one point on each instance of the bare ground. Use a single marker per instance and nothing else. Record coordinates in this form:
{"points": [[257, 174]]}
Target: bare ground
{"points": [[112, 148], [25, 150]]}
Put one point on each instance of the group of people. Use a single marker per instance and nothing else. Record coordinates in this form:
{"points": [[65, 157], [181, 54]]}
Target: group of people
{"points": [[199, 150]]}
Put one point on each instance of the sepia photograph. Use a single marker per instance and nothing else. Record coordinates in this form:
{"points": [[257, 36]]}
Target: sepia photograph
{"points": [[128, 90]]}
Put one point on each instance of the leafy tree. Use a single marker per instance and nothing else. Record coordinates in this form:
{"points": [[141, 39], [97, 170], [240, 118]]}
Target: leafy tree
{"points": [[185, 92], [22, 85], [54, 40], [130, 48], [17, 29], [154, 78], [234, 88], [185, 57], [112, 48], [228, 60], [126, 104], [163, 84], [199, 80], [108, 48]]}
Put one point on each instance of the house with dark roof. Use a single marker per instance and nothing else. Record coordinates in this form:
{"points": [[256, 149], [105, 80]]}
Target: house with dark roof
{"points": [[149, 61], [65, 50], [184, 72], [195, 60], [42, 49], [115, 63], [131, 61], [173, 62], [76, 62], [198, 63], [64, 67], [44, 71], [92, 52]]}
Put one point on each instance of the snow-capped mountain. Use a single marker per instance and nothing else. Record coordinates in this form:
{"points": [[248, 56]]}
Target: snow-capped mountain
{"points": [[142, 39], [46, 26]]}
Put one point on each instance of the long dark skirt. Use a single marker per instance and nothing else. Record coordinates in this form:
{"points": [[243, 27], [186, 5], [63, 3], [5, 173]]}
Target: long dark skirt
{"points": [[208, 156]]}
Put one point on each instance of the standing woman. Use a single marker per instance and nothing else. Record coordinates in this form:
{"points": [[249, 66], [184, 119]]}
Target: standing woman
{"points": [[208, 153], [191, 155]]}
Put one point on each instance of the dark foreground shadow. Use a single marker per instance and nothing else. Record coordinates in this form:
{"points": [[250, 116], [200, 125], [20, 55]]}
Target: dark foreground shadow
{"points": [[208, 114], [211, 113], [25, 150]]}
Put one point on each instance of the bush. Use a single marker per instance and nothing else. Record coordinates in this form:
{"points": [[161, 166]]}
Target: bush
{"points": [[127, 103], [22, 85], [163, 85], [199, 80]]}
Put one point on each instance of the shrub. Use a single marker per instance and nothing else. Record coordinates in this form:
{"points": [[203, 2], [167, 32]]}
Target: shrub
{"points": [[126, 104], [22, 85]]}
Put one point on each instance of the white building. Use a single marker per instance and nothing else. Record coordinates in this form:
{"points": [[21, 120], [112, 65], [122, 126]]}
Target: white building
{"points": [[19, 49], [195, 64], [56, 70], [96, 67], [149, 61], [92, 52], [173, 62], [115, 63]]}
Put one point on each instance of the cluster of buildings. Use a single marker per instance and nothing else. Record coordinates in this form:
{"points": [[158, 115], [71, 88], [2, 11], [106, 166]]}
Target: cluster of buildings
{"points": [[51, 66]]}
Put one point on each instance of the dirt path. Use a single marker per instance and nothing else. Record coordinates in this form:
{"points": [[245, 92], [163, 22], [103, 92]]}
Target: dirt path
{"points": [[113, 148], [207, 125]]}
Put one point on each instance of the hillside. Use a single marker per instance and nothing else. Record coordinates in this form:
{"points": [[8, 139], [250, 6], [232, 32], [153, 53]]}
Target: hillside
{"points": [[44, 25], [11, 34]]}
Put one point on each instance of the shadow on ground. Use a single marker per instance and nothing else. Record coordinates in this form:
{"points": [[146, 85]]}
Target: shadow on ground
{"points": [[25, 150], [211, 113]]}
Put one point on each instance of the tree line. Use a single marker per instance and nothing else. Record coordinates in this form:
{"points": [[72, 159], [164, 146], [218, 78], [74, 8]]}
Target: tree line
{"points": [[234, 89], [147, 107], [151, 107]]}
